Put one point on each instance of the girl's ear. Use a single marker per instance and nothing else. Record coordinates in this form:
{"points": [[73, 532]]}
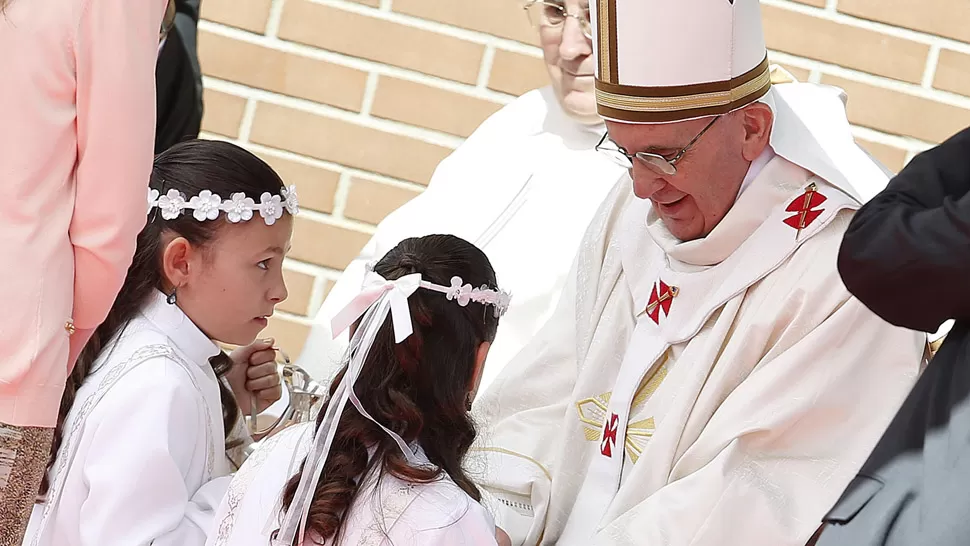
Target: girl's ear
{"points": [[177, 258], [480, 357]]}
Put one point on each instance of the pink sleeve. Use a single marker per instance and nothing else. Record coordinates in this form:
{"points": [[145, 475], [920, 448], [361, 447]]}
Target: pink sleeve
{"points": [[115, 52]]}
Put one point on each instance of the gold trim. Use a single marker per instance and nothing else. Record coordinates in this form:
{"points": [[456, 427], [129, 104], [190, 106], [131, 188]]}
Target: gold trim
{"points": [[514, 454], [531, 460], [612, 36], [685, 102], [606, 21], [651, 385], [689, 89], [602, 402], [645, 428], [640, 429]]}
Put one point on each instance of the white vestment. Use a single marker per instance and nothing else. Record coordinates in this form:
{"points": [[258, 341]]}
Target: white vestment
{"points": [[388, 511], [734, 412], [143, 454], [522, 188]]}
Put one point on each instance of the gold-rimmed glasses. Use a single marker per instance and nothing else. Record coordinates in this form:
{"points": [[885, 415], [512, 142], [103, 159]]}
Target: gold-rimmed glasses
{"points": [[666, 165], [552, 14]]}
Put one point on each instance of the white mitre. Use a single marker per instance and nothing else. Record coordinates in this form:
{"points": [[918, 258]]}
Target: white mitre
{"points": [[661, 61]]}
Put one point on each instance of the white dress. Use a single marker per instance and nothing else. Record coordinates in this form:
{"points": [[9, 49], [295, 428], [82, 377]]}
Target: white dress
{"points": [[522, 188], [143, 453], [388, 511]]}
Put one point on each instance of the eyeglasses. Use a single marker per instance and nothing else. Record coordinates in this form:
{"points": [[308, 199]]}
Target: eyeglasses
{"points": [[656, 162], [553, 15]]}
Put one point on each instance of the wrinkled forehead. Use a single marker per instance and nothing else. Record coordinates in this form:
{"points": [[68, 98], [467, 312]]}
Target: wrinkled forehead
{"points": [[637, 136]]}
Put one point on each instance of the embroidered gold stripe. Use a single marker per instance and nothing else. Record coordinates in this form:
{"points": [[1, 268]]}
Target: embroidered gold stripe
{"points": [[606, 23], [686, 102], [514, 454]]}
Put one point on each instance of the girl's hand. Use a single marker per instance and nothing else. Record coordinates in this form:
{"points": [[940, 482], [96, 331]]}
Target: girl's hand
{"points": [[254, 377]]}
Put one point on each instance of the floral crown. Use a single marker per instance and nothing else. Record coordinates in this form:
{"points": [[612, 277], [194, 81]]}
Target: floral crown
{"points": [[238, 208], [462, 293]]}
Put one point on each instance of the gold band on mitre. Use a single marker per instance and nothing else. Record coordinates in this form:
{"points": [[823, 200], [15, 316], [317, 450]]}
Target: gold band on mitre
{"points": [[636, 104]]}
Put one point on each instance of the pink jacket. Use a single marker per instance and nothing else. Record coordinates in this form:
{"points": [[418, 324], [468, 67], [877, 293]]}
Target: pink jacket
{"points": [[77, 123]]}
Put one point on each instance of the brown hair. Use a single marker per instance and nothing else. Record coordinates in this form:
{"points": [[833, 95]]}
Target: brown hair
{"points": [[418, 388], [189, 167]]}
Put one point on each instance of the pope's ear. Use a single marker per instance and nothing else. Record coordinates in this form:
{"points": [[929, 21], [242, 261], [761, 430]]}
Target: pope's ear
{"points": [[757, 120]]}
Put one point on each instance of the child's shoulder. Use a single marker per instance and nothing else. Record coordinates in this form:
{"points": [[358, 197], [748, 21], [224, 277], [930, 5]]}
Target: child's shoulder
{"points": [[426, 506], [137, 343], [141, 360]]}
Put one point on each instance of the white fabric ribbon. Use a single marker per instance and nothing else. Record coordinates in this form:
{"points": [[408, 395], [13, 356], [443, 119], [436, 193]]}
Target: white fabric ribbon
{"points": [[398, 291], [379, 298]]}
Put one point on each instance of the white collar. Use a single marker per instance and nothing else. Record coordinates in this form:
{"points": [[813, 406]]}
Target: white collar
{"points": [[772, 187], [755, 168], [179, 328], [558, 122]]}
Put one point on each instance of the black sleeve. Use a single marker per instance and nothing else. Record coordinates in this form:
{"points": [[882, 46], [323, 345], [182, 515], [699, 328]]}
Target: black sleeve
{"points": [[906, 254], [190, 8]]}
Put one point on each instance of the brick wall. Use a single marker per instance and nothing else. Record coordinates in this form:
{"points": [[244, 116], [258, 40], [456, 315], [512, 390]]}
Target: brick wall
{"points": [[356, 101]]}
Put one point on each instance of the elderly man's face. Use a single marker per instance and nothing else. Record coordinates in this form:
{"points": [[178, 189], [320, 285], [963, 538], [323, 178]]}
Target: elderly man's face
{"points": [[695, 199], [568, 53]]}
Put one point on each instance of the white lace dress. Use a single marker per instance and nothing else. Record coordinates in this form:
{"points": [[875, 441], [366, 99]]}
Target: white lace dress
{"points": [[387, 511]]}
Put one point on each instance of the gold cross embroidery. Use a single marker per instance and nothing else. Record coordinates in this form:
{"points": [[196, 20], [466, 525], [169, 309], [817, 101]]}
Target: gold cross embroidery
{"points": [[593, 414]]}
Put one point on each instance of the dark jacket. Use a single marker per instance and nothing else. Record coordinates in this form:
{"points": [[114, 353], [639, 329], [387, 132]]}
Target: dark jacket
{"points": [[906, 255], [178, 80]]}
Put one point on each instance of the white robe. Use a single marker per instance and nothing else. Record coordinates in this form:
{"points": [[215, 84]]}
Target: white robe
{"points": [[143, 453], [737, 418], [387, 512], [522, 188]]}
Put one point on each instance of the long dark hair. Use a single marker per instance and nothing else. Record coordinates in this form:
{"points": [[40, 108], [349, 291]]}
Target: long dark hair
{"points": [[418, 388], [189, 167]]}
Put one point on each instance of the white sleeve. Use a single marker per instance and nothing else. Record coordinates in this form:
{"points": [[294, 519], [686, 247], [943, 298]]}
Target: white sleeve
{"points": [[147, 449]]}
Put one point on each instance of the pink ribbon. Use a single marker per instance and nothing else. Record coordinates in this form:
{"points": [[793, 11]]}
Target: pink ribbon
{"points": [[375, 287]]}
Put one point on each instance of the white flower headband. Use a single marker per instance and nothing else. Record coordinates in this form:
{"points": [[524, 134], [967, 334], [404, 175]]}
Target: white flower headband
{"points": [[238, 208], [379, 298], [399, 290]]}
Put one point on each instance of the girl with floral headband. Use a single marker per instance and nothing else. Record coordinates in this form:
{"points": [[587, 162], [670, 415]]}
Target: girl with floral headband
{"points": [[139, 451], [383, 464]]}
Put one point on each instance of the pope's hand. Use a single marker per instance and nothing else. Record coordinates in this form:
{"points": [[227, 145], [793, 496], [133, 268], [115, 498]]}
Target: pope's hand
{"points": [[502, 537], [254, 377]]}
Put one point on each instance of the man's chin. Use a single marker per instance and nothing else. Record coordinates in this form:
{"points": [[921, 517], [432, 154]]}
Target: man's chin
{"points": [[683, 229], [581, 106]]}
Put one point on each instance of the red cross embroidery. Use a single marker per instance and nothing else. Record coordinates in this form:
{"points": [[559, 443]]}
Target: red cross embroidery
{"points": [[803, 207], [609, 435], [660, 299]]}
